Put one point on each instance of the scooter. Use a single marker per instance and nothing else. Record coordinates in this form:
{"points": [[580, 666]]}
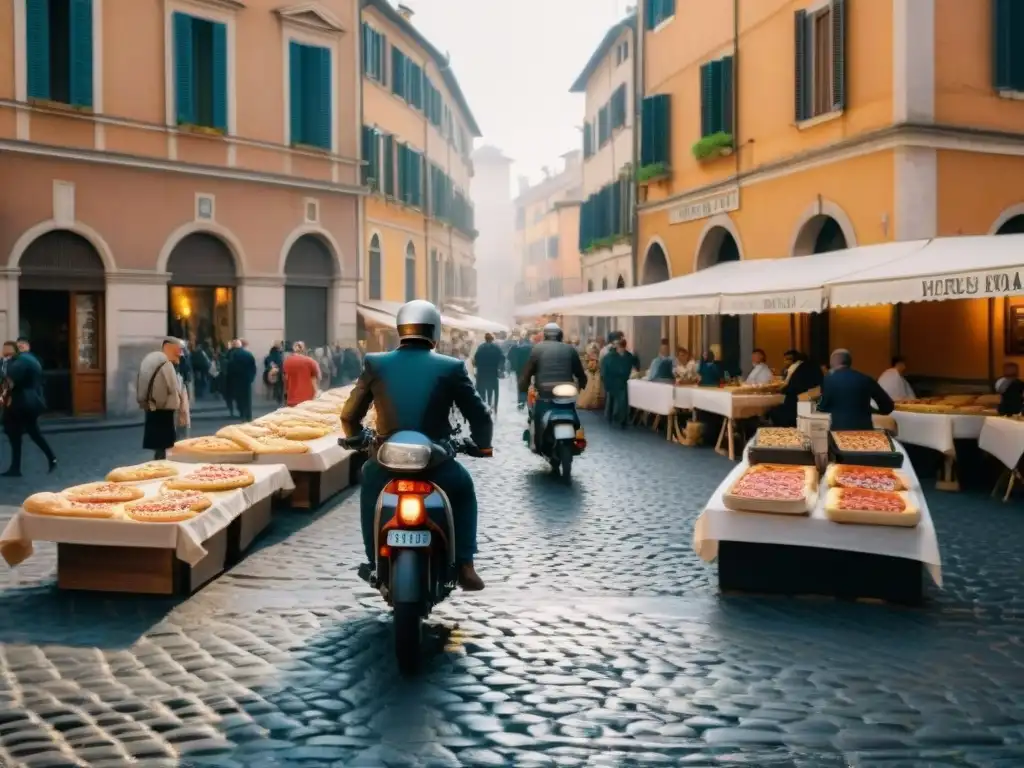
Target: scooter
{"points": [[561, 435], [414, 537]]}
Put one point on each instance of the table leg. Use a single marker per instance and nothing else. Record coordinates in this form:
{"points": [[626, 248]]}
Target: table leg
{"points": [[721, 437], [948, 481], [1014, 476], [670, 427], [732, 434], [1004, 477]]}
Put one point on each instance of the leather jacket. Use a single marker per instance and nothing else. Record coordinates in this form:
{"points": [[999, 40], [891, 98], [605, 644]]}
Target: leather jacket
{"points": [[414, 388], [552, 363]]}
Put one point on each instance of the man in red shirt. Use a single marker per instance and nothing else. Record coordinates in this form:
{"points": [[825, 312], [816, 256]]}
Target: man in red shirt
{"points": [[301, 376]]}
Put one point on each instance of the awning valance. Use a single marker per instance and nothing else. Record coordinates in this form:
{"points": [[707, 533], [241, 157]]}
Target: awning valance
{"points": [[375, 317], [377, 310]]}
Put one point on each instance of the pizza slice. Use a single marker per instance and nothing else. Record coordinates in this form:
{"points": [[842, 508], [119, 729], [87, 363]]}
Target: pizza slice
{"points": [[869, 478], [197, 500], [151, 470], [103, 493], [869, 507]]}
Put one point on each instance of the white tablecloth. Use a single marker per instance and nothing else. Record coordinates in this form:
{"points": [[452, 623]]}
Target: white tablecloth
{"points": [[1004, 439], [937, 430], [185, 538], [716, 523], [729, 405], [651, 396], [324, 453], [683, 397]]}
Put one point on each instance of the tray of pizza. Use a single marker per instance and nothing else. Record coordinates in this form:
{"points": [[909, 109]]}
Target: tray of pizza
{"points": [[865, 448], [861, 506], [780, 445], [781, 489], [211, 448], [870, 478]]}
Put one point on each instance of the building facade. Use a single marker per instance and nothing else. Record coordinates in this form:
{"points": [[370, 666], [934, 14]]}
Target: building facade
{"points": [[606, 215], [187, 167], [798, 127], [498, 269], [547, 237], [417, 140]]}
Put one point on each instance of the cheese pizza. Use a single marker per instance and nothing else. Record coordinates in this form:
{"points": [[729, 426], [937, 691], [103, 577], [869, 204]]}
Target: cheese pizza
{"points": [[161, 509], [212, 477], [103, 493], [870, 478], [212, 445], [196, 500], [779, 488], [862, 441], [140, 473], [56, 505], [868, 507], [267, 444], [779, 437]]}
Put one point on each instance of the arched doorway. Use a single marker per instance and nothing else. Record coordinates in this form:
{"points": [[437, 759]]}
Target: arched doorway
{"points": [[410, 272], [1013, 226], [821, 234], [201, 295], [374, 286], [61, 312], [650, 330], [308, 272], [724, 331]]}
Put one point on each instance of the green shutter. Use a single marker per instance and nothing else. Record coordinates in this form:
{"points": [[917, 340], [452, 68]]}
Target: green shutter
{"points": [[662, 113], [389, 165], [716, 96], [707, 98], [80, 37], [323, 85], [295, 92], [588, 139], [646, 136], [397, 72], [184, 82], [365, 52], [382, 58], [727, 95], [801, 85], [37, 38], [220, 77], [839, 54]]}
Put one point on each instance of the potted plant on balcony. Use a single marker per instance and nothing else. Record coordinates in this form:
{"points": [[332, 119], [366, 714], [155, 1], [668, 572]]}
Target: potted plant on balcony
{"points": [[716, 145], [652, 173]]}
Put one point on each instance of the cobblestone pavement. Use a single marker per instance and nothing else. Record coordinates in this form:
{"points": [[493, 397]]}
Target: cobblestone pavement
{"points": [[600, 641]]}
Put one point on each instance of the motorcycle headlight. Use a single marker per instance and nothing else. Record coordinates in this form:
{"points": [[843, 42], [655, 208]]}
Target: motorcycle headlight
{"points": [[403, 458]]}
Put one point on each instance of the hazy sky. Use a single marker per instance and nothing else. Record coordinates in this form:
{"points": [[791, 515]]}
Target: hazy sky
{"points": [[515, 62]]}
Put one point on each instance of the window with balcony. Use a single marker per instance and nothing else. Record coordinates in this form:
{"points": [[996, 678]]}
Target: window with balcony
{"points": [[716, 95], [617, 106], [655, 136], [373, 290], [375, 47], [58, 51], [658, 11], [309, 78], [371, 158], [820, 66], [1007, 48], [604, 131], [410, 176], [201, 72]]}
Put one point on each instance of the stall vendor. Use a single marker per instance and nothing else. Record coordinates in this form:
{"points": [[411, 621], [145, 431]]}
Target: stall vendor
{"points": [[686, 366], [760, 374], [847, 395], [1011, 391], [710, 371], [892, 381], [801, 376], [662, 366]]}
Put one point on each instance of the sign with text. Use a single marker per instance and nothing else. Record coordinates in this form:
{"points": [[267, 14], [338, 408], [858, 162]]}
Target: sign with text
{"points": [[964, 286], [706, 207], [811, 300], [982, 284]]}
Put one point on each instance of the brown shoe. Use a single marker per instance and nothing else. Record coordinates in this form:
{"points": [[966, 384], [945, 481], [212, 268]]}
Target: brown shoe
{"points": [[469, 580]]}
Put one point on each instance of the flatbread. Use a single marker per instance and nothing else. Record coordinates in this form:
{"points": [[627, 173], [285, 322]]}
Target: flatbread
{"points": [[160, 509], [321, 406], [138, 473], [253, 430], [267, 444], [298, 431], [841, 506], [212, 477], [103, 493], [297, 415], [208, 445], [56, 505], [197, 500], [871, 478]]}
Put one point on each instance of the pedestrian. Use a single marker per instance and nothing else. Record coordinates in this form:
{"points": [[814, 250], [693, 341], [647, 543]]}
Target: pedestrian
{"points": [[489, 363], [242, 376], [518, 357], [26, 402], [351, 365], [337, 365], [156, 390], [200, 371], [301, 376], [616, 368], [228, 386], [185, 406], [272, 373]]}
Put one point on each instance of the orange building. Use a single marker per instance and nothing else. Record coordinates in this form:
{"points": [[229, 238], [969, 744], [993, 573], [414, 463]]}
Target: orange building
{"points": [[417, 139], [186, 167], [791, 127]]}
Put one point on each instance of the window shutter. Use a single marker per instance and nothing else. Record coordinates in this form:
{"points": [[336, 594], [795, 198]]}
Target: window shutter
{"points": [[185, 95], [324, 87], [706, 100], [1002, 45], [389, 165], [295, 92], [717, 91], [649, 13], [381, 52], [397, 71], [80, 16], [646, 131], [801, 85], [220, 77], [587, 140], [367, 154], [663, 128], [367, 47], [838, 54], [727, 92], [37, 37]]}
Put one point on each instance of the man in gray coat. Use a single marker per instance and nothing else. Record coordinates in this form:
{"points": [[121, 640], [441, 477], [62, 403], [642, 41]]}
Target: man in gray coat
{"points": [[156, 391]]}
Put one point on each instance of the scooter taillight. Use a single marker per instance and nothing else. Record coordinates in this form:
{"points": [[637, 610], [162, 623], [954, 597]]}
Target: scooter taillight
{"points": [[415, 487], [581, 444]]}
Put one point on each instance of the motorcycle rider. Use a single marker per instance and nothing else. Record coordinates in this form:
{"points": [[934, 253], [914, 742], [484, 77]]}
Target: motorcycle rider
{"points": [[551, 362], [414, 388]]}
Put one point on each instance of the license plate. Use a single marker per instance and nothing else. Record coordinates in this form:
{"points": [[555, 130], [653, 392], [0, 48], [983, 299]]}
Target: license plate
{"points": [[564, 432], [408, 538]]}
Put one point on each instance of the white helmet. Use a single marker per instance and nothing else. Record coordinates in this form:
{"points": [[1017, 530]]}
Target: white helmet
{"points": [[419, 319]]}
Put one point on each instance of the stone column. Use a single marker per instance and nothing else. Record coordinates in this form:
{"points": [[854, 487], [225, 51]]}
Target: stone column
{"points": [[9, 303], [136, 323], [341, 321], [261, 312]]}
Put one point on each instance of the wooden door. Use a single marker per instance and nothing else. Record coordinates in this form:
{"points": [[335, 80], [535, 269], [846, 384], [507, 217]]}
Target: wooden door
{"points": [[88, 353]]}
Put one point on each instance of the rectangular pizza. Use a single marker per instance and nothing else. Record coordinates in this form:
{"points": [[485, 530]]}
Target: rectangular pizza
{"points": [[862, 441], [783, 489], [869, 478], [780, 437], [867, 507]]}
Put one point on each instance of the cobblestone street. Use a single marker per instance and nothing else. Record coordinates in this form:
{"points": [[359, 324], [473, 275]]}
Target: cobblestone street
{"points": [[599, 641]]}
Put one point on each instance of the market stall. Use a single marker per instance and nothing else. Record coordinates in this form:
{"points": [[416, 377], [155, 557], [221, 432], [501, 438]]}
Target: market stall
{"points": [[1004, 438], [152, 543], [731, 404], [654, 397], [804, 550]]}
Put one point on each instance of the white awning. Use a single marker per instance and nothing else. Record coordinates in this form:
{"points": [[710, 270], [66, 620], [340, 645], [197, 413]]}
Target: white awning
{"points": [[481, 324], [376, 317], [383, 313], [946, 268]]}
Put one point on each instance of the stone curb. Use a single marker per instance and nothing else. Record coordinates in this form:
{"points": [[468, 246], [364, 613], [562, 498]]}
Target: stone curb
{"points": [[93, 425]]}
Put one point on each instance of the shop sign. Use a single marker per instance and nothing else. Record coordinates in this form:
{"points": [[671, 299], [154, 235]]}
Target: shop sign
{"points": [[781, 303], [1005, 283], [706, 207]]}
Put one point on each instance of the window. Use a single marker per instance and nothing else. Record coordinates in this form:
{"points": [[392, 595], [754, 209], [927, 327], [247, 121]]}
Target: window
{"points": [[406, 78], [655, 138], [410, 272], [588, 139], [310, 104], [1007, 51], [463, 217], [434, 105], [820, 66], [398, 65], [606, 215], [371, 158], [520, 218], [201, 72], [553, 247], [58, 51], [375, 47], [603, 127], [441, 194], [388, 163], [374, 287], [624, 48], [658, 11], [434, 277], [617, 106], [716, 97], [410, 176]]}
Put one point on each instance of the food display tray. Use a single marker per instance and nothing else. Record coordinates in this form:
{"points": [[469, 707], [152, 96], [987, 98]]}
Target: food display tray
{"points": [[893, 458], [801, 506], [803, 457]]}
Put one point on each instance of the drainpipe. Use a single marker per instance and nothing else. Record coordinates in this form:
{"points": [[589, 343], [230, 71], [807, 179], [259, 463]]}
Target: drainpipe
{"points": [[361, 200], [427, 207], [637, 101], [736, 88]]}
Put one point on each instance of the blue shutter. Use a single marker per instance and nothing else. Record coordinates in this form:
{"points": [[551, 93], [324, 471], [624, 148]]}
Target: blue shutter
{"points": [[80, 16], [37, 38], [219, 86], [801, 84], [839, 54], [295, 92], [184, 84], [324, 113]]}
